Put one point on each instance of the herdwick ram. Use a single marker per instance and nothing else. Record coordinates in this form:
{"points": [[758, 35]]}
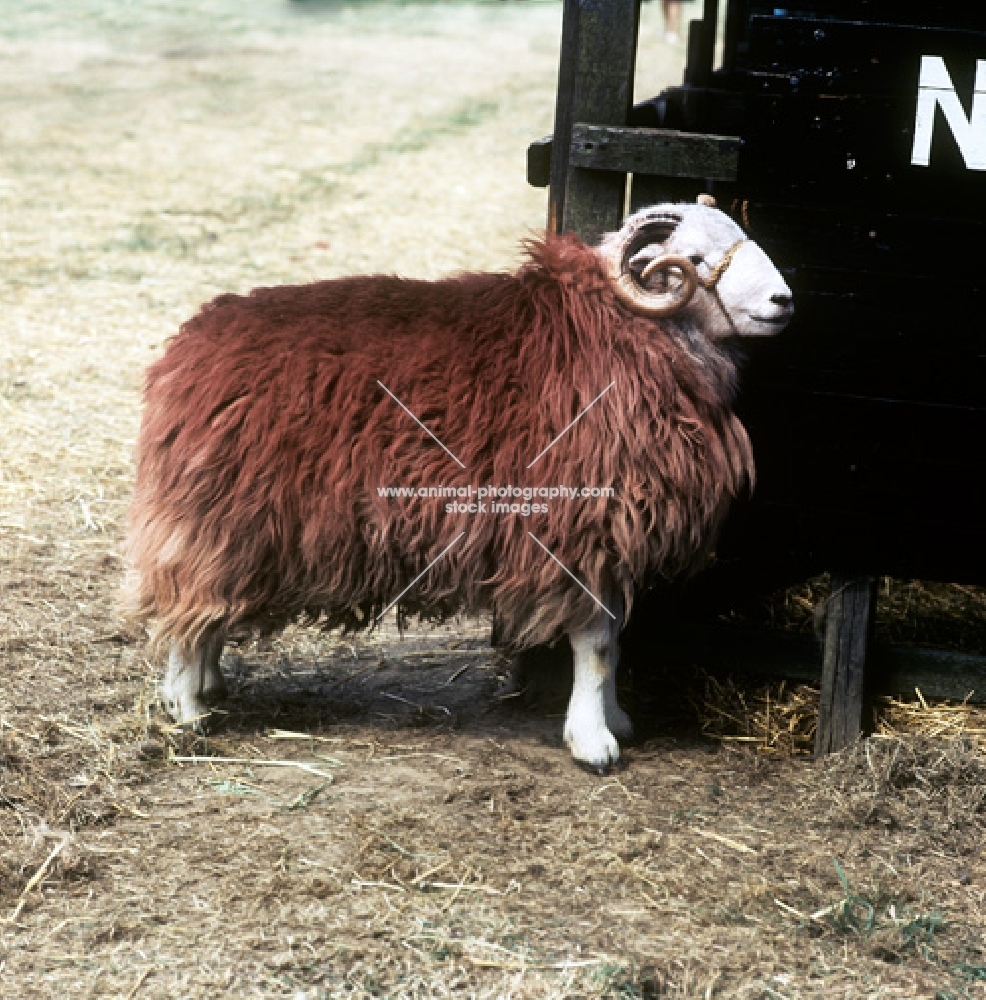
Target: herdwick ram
{"points": [[267, 432]]}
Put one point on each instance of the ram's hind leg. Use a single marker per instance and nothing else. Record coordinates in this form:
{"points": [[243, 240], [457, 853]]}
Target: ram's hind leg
{"points": [[193, 681], [594, 718]]}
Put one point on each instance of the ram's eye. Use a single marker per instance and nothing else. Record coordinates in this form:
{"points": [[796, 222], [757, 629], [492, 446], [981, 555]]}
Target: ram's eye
{"points": [[696, 258]]}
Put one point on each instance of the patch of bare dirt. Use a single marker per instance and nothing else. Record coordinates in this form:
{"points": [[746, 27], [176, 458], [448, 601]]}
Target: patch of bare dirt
{"points": [[370, 819]]}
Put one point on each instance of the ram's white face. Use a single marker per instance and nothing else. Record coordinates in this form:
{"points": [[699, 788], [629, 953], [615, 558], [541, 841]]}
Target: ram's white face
{"points": [[750, 299]]}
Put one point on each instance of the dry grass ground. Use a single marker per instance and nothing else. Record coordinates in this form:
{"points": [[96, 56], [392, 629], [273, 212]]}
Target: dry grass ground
{"points": [[380, 824]]}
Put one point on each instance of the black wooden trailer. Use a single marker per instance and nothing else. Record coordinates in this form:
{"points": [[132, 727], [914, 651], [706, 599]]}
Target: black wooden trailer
{"points": [[850, 140]]}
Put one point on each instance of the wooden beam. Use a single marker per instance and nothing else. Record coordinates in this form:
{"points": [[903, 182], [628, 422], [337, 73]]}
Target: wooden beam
{"points": [[937, 673], [658, 151], [848, 624], [891, 668]]}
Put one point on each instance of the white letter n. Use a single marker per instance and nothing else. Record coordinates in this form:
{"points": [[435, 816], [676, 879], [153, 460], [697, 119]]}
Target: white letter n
{"points": [[935, 88]]}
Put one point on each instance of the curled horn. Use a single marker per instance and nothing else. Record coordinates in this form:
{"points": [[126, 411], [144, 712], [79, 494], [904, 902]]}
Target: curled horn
{"points": [[630, 290]]}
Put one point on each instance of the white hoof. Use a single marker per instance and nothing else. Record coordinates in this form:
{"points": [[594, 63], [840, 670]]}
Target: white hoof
{"points": [[594, 745], [193, 682], [185, 708], [187, 701], [618, 722]]}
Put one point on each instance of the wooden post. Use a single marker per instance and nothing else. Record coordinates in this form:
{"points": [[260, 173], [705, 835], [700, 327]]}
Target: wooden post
{"points": [[564, 105], [595, 87], [848, 623]]}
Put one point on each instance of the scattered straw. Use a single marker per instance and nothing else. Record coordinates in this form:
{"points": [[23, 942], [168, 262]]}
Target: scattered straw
{"points": [[728, 841], [775, 718], [905, 781], [141, 979], [936, 719], [36, 879], [255, 762], [780, 719]]}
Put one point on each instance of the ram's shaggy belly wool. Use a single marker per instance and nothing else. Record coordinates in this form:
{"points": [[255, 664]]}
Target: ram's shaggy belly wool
{"points": [[266, 436]]}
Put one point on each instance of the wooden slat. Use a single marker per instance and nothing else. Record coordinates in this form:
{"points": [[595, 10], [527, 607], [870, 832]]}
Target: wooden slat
{"points": [[663, 152]]}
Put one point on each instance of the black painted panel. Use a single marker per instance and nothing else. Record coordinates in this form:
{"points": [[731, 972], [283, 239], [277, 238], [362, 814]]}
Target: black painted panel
{"points": [[830, 115], [868, 415]]}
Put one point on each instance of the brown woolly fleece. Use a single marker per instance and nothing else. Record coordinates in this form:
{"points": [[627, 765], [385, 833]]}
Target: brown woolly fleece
{"points": [[266, 435]]}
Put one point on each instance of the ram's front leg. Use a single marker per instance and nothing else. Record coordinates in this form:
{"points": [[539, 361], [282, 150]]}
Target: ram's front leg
{"points": [[594, 718], [193, 681]]}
